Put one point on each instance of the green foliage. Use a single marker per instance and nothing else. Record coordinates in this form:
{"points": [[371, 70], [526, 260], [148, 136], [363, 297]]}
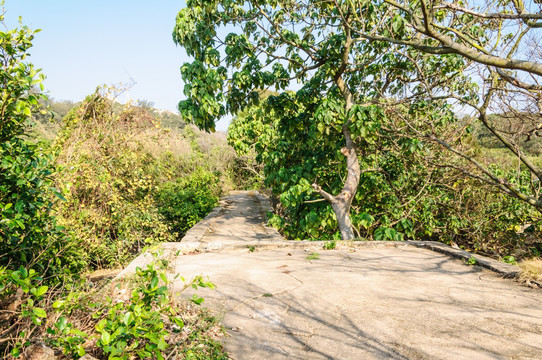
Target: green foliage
{"points": [[28, 282], [29, 235], [403, 193], [30, 310], [330, 245], [313, 256], [64, 335], [136, 326], [186, 201], [148, 323], [18, 79], [509, 259], [109, 183]]}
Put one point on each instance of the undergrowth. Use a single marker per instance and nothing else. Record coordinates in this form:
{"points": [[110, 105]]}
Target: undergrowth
{"points": [[126, 184], [140, 317]]}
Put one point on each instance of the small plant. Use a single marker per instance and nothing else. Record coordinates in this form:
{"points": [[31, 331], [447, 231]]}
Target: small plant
{"points": [[330, 245], [22, 297], [509, 259], [313, 256], [471, 261], [137, 327], [67, 337], [251, 248]]}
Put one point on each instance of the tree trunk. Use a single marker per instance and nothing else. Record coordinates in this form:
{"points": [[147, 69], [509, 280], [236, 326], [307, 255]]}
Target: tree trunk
{"points": [[343, 201], [342, 213]]}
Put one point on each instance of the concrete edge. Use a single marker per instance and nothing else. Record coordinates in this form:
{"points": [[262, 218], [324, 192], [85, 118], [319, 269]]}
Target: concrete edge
{"points": [[141, 261], [166, 250], [197, 231], [508, 271], [185, 247], [503, 269]]}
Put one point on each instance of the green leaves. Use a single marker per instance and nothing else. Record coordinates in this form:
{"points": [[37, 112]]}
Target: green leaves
{"points": [[188, 200], [105, 338], [365, 122], [28, 231], [39, 312], [136, 326], [385, 233], [39, 291]]}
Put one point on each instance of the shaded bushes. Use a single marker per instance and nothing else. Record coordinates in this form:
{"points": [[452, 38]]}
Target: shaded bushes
{"points": [[187, 200]]}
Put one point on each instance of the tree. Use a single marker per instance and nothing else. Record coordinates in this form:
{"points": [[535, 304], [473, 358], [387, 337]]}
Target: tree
{"points": [[500, 42], [29, 235], [241, 48]]}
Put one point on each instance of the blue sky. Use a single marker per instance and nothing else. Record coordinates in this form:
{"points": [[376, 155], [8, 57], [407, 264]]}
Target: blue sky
{"points": [[86, 43]]}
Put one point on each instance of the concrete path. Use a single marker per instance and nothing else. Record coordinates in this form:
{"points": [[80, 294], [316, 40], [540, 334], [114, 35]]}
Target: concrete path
{"points": [[283, 301], [240, 220]]}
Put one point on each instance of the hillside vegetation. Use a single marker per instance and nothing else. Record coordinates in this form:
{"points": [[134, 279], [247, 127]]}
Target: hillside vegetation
{"points": [[109, 180], [89, 186]]}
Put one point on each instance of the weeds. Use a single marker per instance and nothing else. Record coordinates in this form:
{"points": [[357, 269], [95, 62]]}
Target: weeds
{"points": [[136, 318]]}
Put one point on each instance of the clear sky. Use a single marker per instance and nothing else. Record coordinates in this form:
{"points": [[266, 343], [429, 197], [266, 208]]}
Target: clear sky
{"points": [[86, 43]]}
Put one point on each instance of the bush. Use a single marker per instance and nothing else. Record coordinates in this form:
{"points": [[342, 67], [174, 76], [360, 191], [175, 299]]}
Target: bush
{"points": [[189, 199], [138, 317], [109, 182], [29, 235]]}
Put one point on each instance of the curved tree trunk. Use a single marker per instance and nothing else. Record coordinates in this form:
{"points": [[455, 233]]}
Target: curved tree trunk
{"points": [[343, 201]]}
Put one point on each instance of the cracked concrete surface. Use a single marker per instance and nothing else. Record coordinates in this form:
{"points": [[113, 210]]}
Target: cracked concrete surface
{"points": [[355, 303], [370, 304]]}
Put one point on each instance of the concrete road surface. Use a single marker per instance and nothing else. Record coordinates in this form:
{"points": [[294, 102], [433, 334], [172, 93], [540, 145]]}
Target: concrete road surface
{"points": [[292, 302], [387, 303]]}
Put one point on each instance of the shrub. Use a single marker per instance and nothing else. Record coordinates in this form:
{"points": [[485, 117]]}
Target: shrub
{"points": [[109, 181], [189, 199], [137, 317], [29, 235]]}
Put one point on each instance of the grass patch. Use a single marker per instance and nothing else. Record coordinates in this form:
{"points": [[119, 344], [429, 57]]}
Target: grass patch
{"points": [[330, 245], [313, 256]]}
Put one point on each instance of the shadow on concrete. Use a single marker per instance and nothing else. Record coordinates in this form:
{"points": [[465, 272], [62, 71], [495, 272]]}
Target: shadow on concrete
{"points": [[371, 304]]}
